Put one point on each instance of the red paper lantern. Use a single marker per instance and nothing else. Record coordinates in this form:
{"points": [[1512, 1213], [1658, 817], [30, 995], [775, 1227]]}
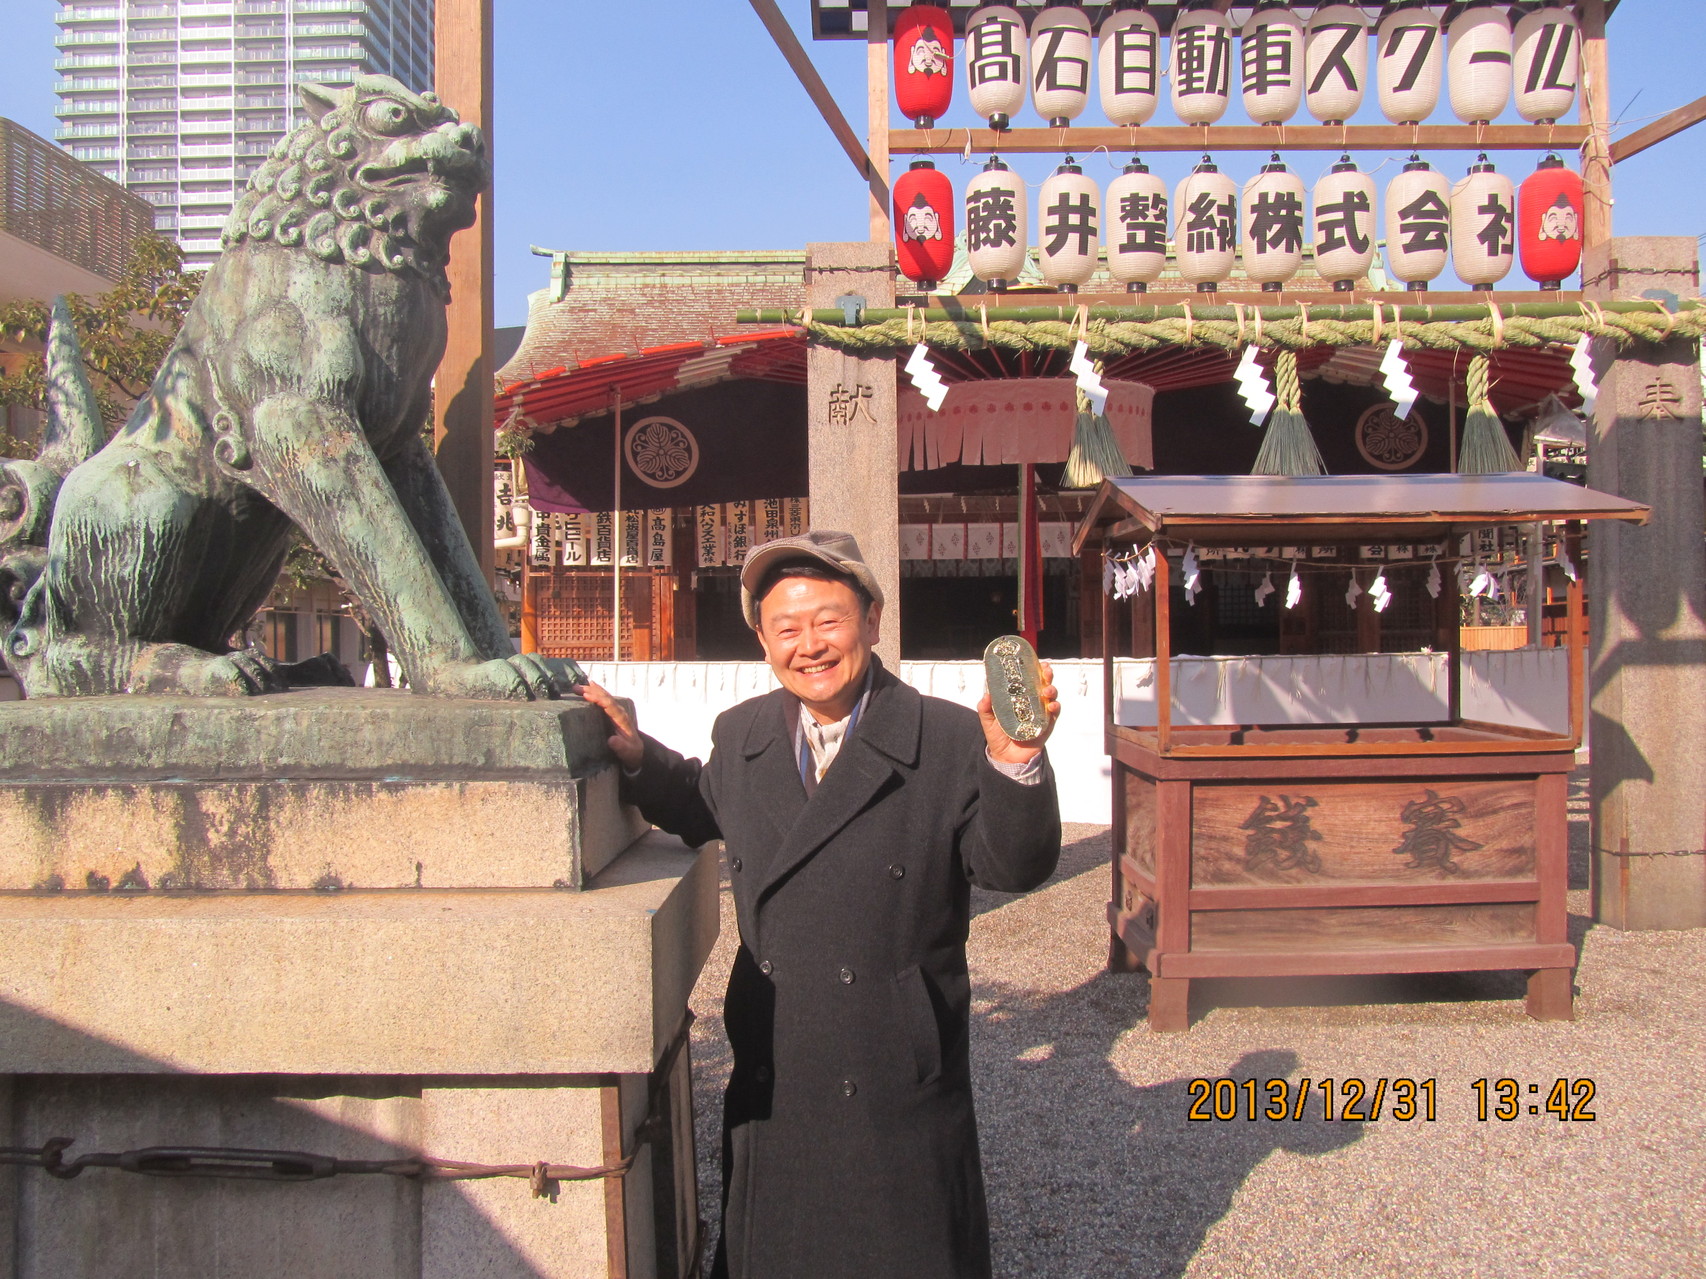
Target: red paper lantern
{"points": [[1549, 223], [924, 223], [923, 63]]}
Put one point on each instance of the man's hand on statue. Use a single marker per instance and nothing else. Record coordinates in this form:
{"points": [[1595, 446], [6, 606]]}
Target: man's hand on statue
{"points": [[1002, 747], [625, 743]]}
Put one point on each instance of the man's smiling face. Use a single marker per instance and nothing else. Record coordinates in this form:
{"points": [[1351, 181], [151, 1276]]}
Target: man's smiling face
{"points": [[817, 637]]}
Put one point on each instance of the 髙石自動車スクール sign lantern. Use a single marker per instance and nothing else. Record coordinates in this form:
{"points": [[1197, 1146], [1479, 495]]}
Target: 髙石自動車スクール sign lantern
{"points": [[1483, 226], [1273, 225], [1061, 55], [997, 229], [1136, 218], [1478, 63], [1548, 54], [923, 63], [996, 53], [1344, 225], [1205, 226], [1409, 55], [1335, 62], [1128, 66], [1549, 223], [1069, 224], [1270, 58], [924, 223], [1200, 64], [1418, 224]]}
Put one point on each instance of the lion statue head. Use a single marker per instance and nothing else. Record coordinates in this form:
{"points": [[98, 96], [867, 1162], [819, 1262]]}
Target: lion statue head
{"points": [[380, 177]]}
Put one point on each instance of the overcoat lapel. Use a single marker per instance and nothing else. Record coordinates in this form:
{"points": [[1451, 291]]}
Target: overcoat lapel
{"points": [[774, 776], [885, 739]]}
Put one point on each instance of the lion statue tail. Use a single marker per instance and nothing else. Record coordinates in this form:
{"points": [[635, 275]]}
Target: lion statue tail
{"points": [[28, 488]]}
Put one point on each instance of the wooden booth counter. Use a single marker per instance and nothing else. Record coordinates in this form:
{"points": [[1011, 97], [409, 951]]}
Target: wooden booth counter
{"points": [[1251, 850]]}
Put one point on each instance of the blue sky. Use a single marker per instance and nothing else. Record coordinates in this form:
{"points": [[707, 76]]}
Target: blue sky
{"points": [[676, 125]]}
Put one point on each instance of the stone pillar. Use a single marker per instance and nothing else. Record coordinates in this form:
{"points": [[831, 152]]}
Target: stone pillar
{"points": [[850, 406], [1647, 588]]}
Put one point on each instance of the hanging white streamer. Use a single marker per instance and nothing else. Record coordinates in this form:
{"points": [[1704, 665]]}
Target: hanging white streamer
{"points": [[1293, 588], [1266, 589], [1089, 381], [1191, 572], [1397, 377], [1434, 580], [1110, 577], [1565, 562], [1253, 386], [1379, 592], [1143, 572], [1482, 582], [924, 376], [1581, 361], [1354, 591]]}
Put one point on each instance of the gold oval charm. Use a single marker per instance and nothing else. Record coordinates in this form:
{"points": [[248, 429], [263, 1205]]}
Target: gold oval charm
{"points": [[1015, 687]]}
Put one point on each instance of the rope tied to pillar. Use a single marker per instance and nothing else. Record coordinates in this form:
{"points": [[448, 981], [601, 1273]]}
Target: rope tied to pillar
{"points": [[1287, 446], [1486, 449]]}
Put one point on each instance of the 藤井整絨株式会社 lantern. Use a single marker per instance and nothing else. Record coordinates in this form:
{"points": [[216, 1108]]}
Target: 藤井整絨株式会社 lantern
{"points": [[1547, 58], [1062, 53], [996, 53], [1200, 65], [1069, 226], [1344, 225], [924, 223], [1335, 62], [1409, 54], [1205, 226], [1478, 63], [997, 228], [1136, 218], [1483, 226], [1418, 224], [1128, 66], [1270, 57], [1273, 226], [923, 63], [1549, 223]]}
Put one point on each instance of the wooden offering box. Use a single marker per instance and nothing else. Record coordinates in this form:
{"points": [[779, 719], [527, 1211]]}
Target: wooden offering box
{"points": [[1250, 850]]}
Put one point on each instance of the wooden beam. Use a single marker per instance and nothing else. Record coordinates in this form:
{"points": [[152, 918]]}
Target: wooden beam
{"points": [[1666, 126], [819, 93], [1251, 137], [877, 115], [1595, 112]]}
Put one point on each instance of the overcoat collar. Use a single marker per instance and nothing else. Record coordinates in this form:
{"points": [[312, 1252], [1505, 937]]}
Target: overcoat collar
{"points": [[885, 740]]}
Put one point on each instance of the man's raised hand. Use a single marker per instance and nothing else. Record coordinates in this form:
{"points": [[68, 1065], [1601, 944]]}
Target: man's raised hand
{"points": [[1002, 747], [625, 743]]}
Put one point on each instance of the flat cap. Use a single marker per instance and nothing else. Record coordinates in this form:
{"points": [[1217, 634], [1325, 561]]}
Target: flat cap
{"points": [[833, 548]]}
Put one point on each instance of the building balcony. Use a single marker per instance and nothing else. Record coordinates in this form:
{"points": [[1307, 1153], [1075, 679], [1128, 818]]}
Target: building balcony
{"points": [[91, 130], [109, 60], [260, 6], [330, 6], [89, 106], [153, 58], [153, 36], [86, 13], [67, 38], [146, 128], [86, 84], [94, 153]]}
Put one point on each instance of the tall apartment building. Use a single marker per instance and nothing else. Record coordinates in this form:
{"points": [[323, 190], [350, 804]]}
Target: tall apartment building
{"points": [[181, 100]]}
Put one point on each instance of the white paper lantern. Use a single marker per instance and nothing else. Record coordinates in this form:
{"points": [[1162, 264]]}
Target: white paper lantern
{"points": [[1478, 63], [1272, 223], [1200, 65], [1069, 227], [1418, 224], [1483, 226], [1548, 57], [1270, 60], [1205, 226], [996, 224], [1409, 62], [996, 54], [1128, 66], [1344, 225], [1137, 227], [1335, 62], [1061, 54]]}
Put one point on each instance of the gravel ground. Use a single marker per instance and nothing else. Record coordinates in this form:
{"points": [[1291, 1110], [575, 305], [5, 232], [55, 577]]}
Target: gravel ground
{"points": [[1094, 1170]]}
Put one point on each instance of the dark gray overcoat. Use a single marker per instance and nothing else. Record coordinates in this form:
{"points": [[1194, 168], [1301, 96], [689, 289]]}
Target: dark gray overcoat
{"points": [[849, 1143]]}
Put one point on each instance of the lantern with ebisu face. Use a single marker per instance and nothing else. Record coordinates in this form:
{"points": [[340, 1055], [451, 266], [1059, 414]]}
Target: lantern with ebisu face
{"points": [[1344, 225], [1205, 226], [1548, 53], [1335, 62], [1069, 227], [1128, 66], [923, 63], [996, 225], [1418, 224], [1200, 64], [1273, 225], [1270, 63], [1478, 63], [1136, 218], [996, 54], [1409, 61], [924, 224], [1549, 223], [1061, 55], [1483, 226]]}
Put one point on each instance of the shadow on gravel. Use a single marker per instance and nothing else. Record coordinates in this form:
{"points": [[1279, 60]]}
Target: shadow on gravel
{"points": [[1091, 1175]]}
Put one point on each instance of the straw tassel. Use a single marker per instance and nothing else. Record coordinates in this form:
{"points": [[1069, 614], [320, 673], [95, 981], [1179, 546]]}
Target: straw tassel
{"points": [[1287, 446], [1486, 449], [1095, 454]]}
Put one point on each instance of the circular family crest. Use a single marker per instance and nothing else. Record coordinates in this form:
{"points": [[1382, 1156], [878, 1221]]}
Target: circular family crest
{"points": [[661, 451], [1388, 441]]}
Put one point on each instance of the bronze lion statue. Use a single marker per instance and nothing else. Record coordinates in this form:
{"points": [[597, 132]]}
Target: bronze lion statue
{"points": [[295, 393]]}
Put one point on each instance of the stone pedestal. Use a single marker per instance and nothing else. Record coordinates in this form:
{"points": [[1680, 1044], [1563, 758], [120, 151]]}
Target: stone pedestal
{"points": [[1647, 592], [364, 925]]}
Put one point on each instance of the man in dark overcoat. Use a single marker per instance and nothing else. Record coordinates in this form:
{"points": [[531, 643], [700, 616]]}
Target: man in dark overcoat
{"points": [[856, 813]]}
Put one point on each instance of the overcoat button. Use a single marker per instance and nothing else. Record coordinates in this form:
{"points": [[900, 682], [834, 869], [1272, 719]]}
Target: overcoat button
{"points": [[766, 967], [846, 976], [762, 1074], [897, 871], [848, 1087], [735, 863]]}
